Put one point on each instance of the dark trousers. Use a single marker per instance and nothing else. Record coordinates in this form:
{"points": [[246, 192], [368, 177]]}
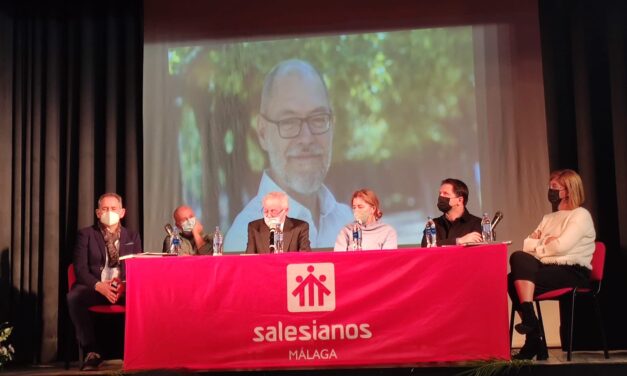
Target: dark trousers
{"points": [[79, 299], [546, 277]]}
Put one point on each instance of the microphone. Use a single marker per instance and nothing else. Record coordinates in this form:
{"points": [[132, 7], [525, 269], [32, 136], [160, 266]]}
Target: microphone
{"points": [[168, 228], [357, 236], [272, 239], [498, 216]]}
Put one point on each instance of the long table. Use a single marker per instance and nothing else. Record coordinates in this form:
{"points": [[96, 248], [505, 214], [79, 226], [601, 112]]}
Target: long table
{"points": [[322, 309]]}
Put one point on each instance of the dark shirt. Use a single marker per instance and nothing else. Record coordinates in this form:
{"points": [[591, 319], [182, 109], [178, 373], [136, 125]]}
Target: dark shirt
{"points": [[447, 232]]}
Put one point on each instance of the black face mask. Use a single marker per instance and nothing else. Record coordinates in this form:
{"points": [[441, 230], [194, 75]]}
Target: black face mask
{"points": [[444, 204], [554, 198]]}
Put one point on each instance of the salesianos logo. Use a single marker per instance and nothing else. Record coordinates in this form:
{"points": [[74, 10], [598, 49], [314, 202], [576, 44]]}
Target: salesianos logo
{"points": [[310, 287]]}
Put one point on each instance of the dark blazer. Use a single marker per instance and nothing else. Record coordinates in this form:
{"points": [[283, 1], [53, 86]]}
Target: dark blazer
{"points": [[90, 253], [295, 236]]}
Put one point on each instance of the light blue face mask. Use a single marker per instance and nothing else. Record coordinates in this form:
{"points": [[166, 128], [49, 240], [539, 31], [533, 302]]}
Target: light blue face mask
{"points": [[188, 225]]}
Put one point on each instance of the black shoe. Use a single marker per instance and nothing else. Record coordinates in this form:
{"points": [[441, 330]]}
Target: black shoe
{"points": [[529, 320], [533, 347], [523, 328], [92, 361]]}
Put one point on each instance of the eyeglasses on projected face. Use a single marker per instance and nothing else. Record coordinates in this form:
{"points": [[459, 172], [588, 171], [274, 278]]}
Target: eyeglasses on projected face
{"points": [[291, 127]]}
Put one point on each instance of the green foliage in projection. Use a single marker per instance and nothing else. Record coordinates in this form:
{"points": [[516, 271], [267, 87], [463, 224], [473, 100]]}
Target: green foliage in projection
{"points": [[190, 154], [392, 93], [179, 58]]}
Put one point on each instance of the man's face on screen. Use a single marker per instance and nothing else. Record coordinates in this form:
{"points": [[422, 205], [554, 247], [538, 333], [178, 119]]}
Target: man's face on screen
{"points": [[300, 151]]}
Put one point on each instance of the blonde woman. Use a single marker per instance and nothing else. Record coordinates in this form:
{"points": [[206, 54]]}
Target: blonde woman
{"points": [[375, 234], [558, 253]]}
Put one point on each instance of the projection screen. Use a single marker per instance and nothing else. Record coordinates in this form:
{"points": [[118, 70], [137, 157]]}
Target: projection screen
{"points": [[407, 108]]}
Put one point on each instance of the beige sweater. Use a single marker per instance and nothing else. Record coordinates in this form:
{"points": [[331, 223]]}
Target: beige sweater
{"points": [[575, 238]]}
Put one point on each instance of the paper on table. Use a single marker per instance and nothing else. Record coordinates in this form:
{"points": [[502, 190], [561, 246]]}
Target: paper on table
{"points": [[472, 244], [147, 254]]}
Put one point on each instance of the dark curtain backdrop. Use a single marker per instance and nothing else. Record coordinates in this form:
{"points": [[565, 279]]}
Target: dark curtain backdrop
{"points": [[585, 76], [70, 130]]}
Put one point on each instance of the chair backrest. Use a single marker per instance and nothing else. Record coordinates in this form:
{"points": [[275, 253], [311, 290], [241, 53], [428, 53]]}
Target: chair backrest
{"points": [[598, 262], [71, 277]]}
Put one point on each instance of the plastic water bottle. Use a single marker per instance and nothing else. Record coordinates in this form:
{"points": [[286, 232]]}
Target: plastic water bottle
{"points": [[217, 242], [278, 239], [357, 236], [486, 228], [175, 242], [430, 233]]}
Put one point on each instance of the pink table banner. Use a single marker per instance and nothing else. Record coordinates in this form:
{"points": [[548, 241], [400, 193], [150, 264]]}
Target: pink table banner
{"points": [[301, 310]]}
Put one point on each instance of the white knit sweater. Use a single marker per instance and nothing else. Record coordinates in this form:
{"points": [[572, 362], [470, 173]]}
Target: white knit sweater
{"points": [[575, 235]]}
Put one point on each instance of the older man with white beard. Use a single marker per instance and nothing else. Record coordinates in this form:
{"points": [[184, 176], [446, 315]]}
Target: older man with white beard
{"points": [[294, 127]]}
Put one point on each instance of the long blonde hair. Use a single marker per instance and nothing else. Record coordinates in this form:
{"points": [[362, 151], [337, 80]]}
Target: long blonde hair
{"points": [[570, 180]]}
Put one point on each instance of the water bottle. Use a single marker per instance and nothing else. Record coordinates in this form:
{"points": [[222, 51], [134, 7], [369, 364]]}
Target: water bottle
{"points": [[217, 242], [357, 236], [175, 242], [278, 240], [430, 233], [486, 228]]}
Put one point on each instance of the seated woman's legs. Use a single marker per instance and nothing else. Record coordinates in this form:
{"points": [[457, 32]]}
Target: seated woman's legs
{"points": [[521, 288]]}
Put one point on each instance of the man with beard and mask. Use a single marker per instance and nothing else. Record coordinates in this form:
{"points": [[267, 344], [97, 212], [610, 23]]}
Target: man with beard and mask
{"points": [[456, 225], [193, 240], [261, 233], [295, 128], [98, 270]]}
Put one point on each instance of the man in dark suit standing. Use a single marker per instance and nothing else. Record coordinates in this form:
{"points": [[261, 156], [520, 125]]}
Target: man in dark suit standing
{"points": [[99, 271], [261, 233]]}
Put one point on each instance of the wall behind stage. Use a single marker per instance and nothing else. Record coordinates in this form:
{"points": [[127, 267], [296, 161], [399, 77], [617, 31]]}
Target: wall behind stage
{"points": [[509, 103]]}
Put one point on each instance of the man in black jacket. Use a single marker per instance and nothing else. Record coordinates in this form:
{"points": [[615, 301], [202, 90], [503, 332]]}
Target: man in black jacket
{"points": [[456, 225]]}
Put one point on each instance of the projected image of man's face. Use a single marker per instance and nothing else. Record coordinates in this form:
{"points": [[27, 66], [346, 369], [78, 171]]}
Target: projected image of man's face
{"points": [[295, 129]]}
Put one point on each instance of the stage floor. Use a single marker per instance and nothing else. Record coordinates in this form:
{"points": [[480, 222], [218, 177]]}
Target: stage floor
{"points": [[583, 363]]}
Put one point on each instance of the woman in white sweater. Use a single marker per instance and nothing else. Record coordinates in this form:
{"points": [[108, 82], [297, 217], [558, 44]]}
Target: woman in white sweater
{"points": [[375, 234], [557, 254]]}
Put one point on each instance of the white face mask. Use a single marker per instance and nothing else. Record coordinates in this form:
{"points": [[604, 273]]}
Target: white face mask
{"points": [[272, 222], [361, 216], [110, 218], [188, 225]]}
